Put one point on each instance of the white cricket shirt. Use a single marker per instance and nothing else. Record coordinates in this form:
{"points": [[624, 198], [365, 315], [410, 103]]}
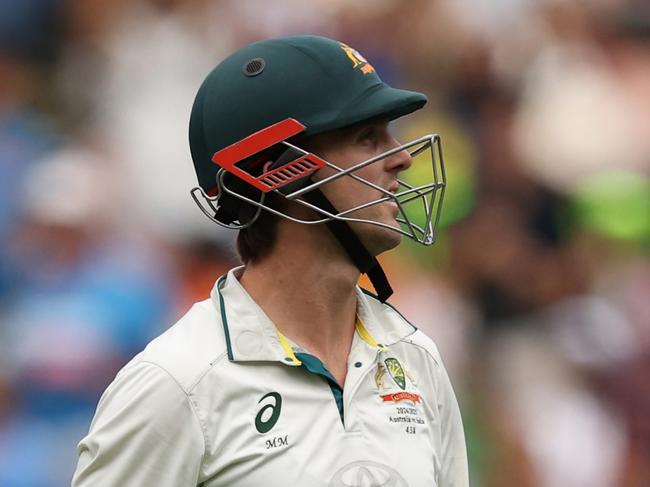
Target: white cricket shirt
{"points": [[223, 399]]}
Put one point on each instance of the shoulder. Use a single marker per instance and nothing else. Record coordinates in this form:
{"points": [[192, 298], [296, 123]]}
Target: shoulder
{"points": [[143, 417], [189, 348], [424, 343]]}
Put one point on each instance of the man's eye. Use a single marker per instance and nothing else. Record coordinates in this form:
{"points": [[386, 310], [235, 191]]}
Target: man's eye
{"points": [[368, 137]]}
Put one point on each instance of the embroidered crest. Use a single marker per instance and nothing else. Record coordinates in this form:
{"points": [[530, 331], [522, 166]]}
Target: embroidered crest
{"points": [[358, 61], [396, 372], [379, 376]]}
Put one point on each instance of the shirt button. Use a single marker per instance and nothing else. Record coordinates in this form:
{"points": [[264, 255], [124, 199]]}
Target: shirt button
{"points": [[358, 364]]}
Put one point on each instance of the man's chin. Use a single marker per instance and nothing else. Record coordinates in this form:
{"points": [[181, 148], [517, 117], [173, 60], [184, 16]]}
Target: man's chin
{"points": [[384, 240], [396, 239], [378, 239]]}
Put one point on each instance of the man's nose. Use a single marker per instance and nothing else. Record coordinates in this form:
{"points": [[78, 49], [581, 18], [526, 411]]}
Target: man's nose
{"points": [[399, 161]]}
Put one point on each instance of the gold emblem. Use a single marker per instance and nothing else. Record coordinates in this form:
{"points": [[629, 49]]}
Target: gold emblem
{"points": [[379, 376], [358, 61]]}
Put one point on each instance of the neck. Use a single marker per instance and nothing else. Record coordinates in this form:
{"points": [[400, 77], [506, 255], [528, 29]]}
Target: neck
{"points": [[307, 288]]}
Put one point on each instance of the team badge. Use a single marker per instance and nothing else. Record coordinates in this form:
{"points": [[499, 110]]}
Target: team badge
{"points": [[358, 61], [379, 376], [399, 375], [396, 372]]}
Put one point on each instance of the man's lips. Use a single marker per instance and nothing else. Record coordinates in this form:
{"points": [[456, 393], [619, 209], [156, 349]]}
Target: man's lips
{"points": [[393, 187]]}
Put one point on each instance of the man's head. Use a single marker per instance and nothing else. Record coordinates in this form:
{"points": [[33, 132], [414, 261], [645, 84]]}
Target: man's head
{"points": [[303, 120]]}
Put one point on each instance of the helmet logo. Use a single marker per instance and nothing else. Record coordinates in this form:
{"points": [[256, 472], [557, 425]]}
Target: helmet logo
{"points": [[358, 61]]}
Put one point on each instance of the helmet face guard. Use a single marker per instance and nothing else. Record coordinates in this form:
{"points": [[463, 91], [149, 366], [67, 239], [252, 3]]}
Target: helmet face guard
{"points": [[418, 198]]}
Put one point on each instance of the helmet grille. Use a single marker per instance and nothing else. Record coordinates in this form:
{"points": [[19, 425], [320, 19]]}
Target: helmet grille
{"points": [[254, 66]]}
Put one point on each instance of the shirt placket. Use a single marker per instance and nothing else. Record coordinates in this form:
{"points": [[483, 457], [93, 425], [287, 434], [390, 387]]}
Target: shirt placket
{"points": [[362, 362]]}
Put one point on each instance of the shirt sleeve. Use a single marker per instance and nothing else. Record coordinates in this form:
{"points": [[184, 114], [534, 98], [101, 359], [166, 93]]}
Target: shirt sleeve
{"points": [[454, 469], [145, 433]]}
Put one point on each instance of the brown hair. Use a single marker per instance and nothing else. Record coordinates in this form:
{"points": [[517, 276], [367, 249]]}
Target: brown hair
{"points": [[256, 242]]}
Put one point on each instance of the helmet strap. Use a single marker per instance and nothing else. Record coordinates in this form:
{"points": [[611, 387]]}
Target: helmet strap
{"points": [[362, 259]]}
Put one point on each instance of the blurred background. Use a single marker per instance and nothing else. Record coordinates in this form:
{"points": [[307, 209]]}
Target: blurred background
{"points": [[537, 293]]}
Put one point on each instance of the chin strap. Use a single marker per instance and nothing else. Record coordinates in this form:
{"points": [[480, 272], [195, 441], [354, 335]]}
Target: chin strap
{"points": [[362, 259]]}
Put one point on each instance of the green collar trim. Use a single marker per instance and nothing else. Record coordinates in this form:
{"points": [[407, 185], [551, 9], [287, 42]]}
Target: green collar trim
{"points": [[224, 320], [313, 365]]}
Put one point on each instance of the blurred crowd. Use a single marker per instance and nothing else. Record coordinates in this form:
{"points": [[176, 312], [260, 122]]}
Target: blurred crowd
{"points": [[537, 292]]}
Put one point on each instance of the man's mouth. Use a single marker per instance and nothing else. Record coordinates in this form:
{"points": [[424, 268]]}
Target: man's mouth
{"points": [[393, 188]]}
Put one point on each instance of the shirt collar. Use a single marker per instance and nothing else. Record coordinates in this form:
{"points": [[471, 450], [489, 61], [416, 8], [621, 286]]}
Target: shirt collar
{"points": [[252, 336]]}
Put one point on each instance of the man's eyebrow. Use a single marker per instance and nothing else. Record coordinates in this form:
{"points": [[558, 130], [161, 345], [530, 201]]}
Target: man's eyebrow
{"points": [[375, 124]]}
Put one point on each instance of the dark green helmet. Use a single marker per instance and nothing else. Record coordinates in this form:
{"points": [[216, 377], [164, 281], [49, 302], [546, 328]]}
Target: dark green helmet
{"points": [[322, 83]]}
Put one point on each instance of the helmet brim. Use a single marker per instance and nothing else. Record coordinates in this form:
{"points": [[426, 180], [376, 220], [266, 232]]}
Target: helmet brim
{"points": [[380, 101]]}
